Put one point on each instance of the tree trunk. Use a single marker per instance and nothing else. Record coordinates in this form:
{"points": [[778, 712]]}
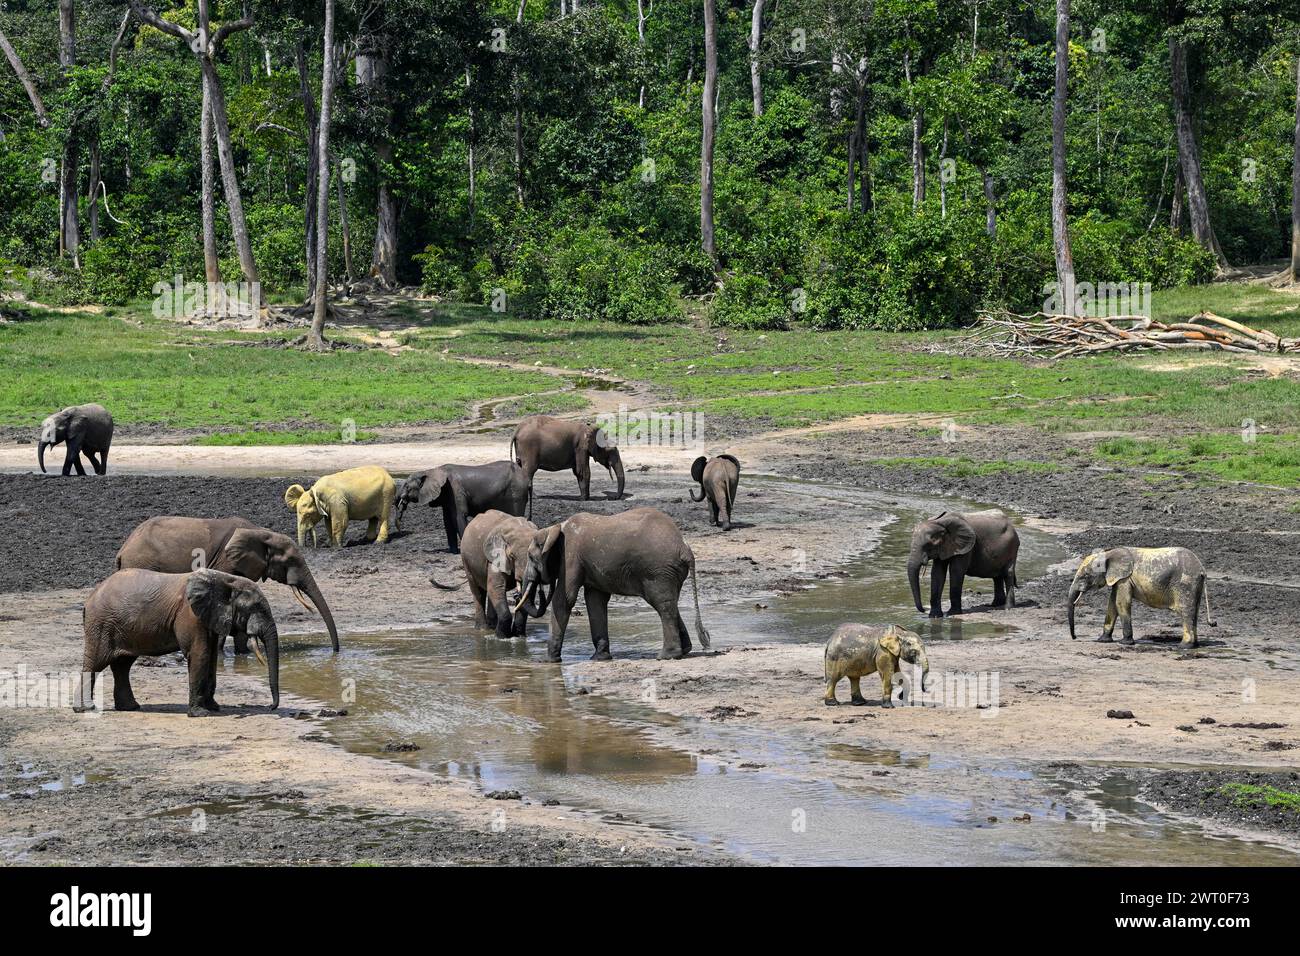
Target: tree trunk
{"points": [[641, 17], [943, 182], [230, 180], [990, 203], [371, 68], [25, 79], [755, 42], [1295, 183], [92, 207], [918, 145], [316, 338], [68, 221], [211, 263], [1189, 154], [1060, 222], [344, 229], [473, 172], [1177, 208], [856, 135], [709, 129], [312, 121], [519, 120]]}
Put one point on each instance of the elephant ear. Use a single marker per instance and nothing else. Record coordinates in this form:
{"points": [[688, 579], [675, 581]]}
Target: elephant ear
{"points": [[551, 542], [209, 596], [891, 643], [497, 552], [432, 486], [697, 468], [958, 538], [1119, 566], [245, 554], [292, 494]]}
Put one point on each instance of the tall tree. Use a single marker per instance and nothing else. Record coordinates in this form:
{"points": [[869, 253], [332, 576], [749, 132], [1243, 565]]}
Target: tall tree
{"points": [[709, 117], [25, 78], [755, 45], [1060, 204], [1189, 152], [320, 303], [1295, 182], [69, 225]]}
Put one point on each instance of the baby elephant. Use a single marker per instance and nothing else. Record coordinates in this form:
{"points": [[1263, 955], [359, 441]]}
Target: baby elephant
{"points": [[137, 613], [718, 478], [856, 650], [1171, 578], [358, 494], [86, 430]]}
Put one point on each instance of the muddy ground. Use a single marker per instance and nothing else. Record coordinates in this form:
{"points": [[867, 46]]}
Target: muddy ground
{"points": [[273, 774]]}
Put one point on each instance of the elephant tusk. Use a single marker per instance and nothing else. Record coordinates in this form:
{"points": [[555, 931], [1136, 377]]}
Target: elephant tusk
{"points": [[257, 649], [523, 599], [302, 600]]}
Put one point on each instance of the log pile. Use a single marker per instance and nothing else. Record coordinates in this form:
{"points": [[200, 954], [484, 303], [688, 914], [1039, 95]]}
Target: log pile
{"points": [[1003, 333]]}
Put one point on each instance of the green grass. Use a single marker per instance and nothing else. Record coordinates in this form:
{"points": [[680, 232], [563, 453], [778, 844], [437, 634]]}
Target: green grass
{"points": [[281, 437], [1255, 305], [1268, 459], [1252, 795], [963, 467]]}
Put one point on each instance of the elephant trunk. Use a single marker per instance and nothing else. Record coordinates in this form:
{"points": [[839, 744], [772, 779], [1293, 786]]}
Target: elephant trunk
{"points": [[616, 460], [914, 579], [525, 599], [40, 454], [267, 637], [695, 497], [312, 590], [1076, 592], [536, 605]]}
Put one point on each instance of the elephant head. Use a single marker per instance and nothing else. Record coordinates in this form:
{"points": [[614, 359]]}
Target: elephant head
{"points": [[1099, 569], [697, 476], [940, 538], [907, 646], [232, 605], [422, 487], [54, 431], [308, 506], [597, 443], [258, 554], [545, 565], [508, 555]]}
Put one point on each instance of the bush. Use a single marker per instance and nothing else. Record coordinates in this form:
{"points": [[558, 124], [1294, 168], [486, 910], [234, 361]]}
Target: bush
{"points": [[749, 302]]}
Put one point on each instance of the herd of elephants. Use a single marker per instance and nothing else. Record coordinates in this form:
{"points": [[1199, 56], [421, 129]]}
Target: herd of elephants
{"points": [[187, 583]]}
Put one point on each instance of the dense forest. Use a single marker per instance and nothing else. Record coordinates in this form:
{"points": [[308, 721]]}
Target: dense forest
{"points": [[890, 164]]}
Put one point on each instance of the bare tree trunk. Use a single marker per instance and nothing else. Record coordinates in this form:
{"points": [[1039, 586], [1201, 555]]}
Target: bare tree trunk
{"points": [[230, 180], [990, 203], [856, 135], [1060, 205], [312, 121], [943, 182], [344, 229], [371, 69], [316, 338], [92, 207], [211, 262], [755, 42], [918, 145], [473, 172], [1189, 154], [25, 79], [519, 120], [642, 15], [1295, 183], [709, 119], [1177, 207], [68, 221]]}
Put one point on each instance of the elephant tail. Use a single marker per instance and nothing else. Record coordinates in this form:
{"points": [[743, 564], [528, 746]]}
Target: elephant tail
{"points": [[705, 642], [513, 457], [1205, 593], [455, 586]]}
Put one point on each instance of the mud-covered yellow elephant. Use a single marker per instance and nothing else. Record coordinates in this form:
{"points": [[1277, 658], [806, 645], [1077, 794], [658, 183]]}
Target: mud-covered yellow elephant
{"points": [[358, 494]]}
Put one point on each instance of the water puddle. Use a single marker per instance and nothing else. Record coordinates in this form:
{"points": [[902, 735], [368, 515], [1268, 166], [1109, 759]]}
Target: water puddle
{"points": [[449, 700]]}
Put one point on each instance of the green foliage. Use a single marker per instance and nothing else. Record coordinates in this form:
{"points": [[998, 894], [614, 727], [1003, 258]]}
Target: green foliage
{"points": [[749, 302]]}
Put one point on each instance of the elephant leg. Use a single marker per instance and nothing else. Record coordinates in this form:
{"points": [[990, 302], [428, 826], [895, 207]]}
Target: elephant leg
{"points": [[561, 605], [72, 458], [210, 690], [598, 618], [481, 613], [686, 635], [1124, 609], [372, 530], [338, 528], [713, 512], [499, 606], [956, 576], [1108, 627], [832, 679], [1010, 578], [123, 699], [103, 461], [452, 528], [241, 643], [886, 669], [1189, 606], [1000, 591], [200, 668], [384, 518], [937, 575], [855, 692], [724, 514]]}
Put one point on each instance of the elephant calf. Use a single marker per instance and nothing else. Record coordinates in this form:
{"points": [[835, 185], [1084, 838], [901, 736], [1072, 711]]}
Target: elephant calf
{"points": [[358, 494], [463, 491], [983, 544], [494, 553], [717, 479], [86, 429], [1171, 578], [137, 613], [857, 650]]}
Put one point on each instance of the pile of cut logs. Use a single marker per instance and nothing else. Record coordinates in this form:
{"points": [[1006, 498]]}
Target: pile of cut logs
{"points": [[1004, 333]]}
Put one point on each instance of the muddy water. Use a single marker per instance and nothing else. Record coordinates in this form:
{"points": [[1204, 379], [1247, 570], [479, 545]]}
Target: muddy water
{"points": [[489, 711]]}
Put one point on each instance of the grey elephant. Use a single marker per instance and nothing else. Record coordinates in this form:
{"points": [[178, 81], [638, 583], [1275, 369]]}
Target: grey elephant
{"points": [[858, 650], [464, 491], [983, 544], [717, 478], [1171, 578], [85, 429], [639, 553], [494, 554], [543, 443], [137, 613], [234, 545]]}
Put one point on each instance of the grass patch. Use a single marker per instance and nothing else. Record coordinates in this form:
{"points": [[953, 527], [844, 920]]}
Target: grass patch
{"points": [[1269, 459], [276, 437], [968, 468], [1255, 305], [1251, 795]]}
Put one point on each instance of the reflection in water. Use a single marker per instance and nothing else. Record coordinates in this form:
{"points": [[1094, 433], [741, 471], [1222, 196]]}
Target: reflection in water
{"points": [[490, 711]]}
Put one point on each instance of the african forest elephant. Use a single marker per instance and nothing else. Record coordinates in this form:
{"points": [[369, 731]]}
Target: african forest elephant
{"points": [[1172, 578], [86, 429], [857, 650], [639, 553], [233, 545], [494, 552], [138, 613], [718, 479], [543, 443], [464, 491], [979, 543], [358, 494]]}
